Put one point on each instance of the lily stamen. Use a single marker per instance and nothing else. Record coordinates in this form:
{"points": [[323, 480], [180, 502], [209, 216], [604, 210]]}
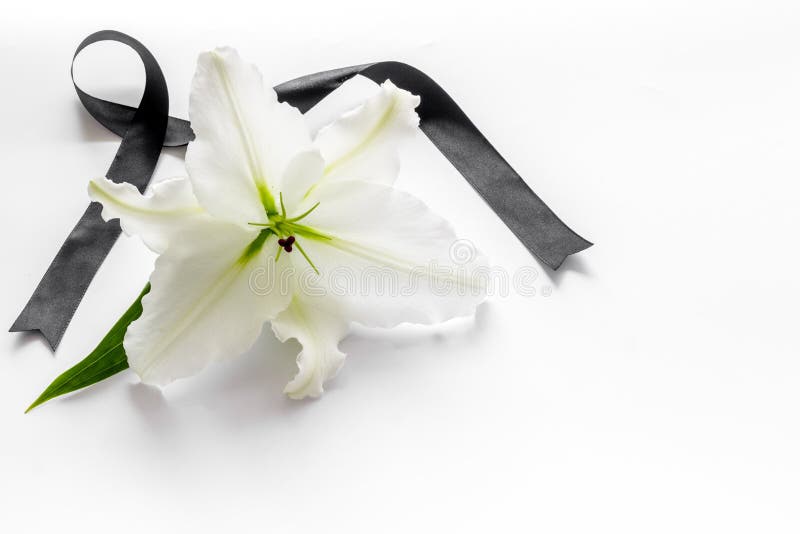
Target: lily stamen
{"points": [[304, 214]]}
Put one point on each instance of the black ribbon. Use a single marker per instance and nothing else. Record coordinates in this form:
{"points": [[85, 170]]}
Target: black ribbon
{"points": [[148, 127]]}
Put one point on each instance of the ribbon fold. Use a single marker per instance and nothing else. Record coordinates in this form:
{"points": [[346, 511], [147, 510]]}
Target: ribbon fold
{"points": [[145, 129]]}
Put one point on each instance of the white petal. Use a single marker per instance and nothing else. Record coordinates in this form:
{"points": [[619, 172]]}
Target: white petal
{"points": [[362, 144], [244, 138], [390, 260], [319, 329], [345, 98], [204, 304], [169, 208], [302, 171]]}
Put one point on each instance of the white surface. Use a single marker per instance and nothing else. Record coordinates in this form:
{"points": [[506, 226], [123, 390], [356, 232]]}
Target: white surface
{"points": [[655, 389]]}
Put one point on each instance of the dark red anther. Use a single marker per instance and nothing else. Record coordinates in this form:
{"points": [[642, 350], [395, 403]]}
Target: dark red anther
{"points": [[287, 243]]}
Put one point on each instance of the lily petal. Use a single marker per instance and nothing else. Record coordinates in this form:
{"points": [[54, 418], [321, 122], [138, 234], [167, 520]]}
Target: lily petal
{"points": [[399, 261], [362, 144], [302, 171], [203, 305], [168, 209], [243, 141], [345, 98], [319, 330], [385, 259]]}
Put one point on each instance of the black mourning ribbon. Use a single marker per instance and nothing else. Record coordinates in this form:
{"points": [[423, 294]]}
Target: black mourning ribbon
{"points": [[145, 129]]}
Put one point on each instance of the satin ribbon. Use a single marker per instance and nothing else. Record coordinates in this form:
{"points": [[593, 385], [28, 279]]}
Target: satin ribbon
{"points": [[148, 127]]}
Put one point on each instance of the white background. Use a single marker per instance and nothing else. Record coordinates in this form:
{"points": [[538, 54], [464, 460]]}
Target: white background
{"points": [[655, 390]]}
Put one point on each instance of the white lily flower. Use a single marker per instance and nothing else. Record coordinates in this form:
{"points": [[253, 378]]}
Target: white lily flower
{"points": [[265, 199]]}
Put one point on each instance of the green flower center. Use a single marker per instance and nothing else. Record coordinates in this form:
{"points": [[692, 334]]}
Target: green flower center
{"points": [[287, 228]]}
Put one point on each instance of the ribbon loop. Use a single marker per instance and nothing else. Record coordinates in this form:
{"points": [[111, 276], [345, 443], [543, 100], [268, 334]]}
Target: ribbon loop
{"points": [[145, 129], [142, 129]]}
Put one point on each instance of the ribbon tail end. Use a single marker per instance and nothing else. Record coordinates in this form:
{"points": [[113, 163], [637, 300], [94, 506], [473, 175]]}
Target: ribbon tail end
{"points": [[576, 245], [53, 338]]}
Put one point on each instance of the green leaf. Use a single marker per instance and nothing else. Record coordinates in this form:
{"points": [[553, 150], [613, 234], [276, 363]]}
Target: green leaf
{"points": [[107, 359]]}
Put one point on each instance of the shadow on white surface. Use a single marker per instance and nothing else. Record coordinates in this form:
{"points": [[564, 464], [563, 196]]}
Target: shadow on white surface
{"points": [[247, 391], [24, 339], [574, 264], [91, 393]]}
